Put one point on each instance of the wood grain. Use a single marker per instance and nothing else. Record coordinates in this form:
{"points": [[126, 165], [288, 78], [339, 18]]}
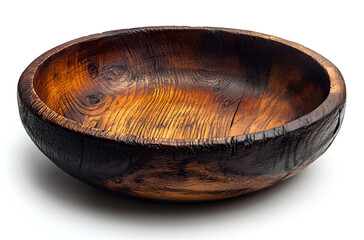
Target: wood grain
{"points": [[180, 113]]}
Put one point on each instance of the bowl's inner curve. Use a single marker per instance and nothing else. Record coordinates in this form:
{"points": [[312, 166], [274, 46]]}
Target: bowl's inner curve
{"points": [[181, 84]]}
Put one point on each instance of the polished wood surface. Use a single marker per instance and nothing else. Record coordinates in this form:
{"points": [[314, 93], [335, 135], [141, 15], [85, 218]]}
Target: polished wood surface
{"points": [[179, 113], [181, 85]]}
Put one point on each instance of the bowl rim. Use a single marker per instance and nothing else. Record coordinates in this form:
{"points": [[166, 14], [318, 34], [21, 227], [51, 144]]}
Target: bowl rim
{"points": [[334, 100]]}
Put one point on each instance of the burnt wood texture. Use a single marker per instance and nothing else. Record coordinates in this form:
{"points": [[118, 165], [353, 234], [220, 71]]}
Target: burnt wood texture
{"points": [[181, 113]]}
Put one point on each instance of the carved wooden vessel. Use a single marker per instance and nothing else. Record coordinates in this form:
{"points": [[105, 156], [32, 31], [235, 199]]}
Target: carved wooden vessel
{"points": [[181, 113]]}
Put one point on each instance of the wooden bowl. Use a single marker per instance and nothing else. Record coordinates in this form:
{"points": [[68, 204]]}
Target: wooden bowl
{"points": [[181, 113]]}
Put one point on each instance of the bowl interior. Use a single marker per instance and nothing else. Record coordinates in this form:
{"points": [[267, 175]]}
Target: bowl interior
{"points": [[181, 84]]}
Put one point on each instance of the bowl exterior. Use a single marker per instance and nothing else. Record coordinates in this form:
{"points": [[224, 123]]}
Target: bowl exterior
{"points": [[182, 173]]}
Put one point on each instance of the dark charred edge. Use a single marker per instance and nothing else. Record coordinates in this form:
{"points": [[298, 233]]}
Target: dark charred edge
{"points": [[158, 142]]}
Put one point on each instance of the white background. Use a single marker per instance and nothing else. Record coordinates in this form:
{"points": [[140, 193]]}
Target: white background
{"points": [[39, 201]]}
